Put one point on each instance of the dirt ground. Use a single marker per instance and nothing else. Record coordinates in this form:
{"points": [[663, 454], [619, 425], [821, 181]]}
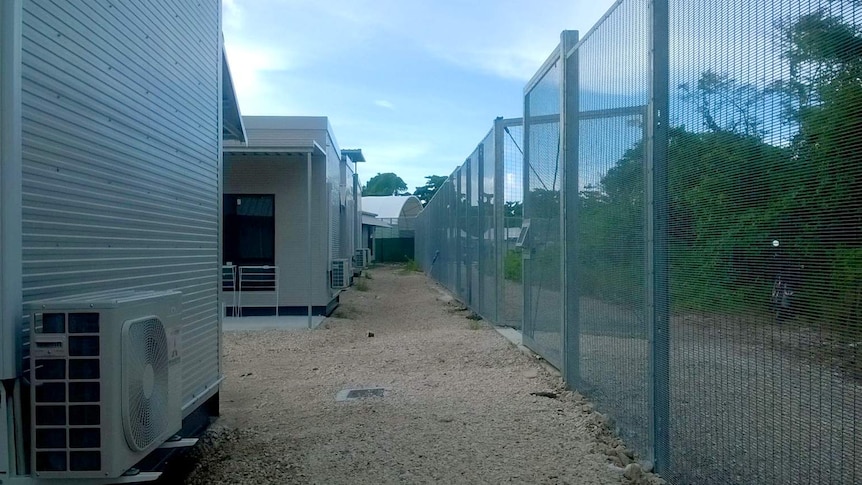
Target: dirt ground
{"points": [[459, 403]]}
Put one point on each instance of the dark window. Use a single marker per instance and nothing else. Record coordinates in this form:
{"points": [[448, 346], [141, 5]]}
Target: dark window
{"points": [[249, 229]]}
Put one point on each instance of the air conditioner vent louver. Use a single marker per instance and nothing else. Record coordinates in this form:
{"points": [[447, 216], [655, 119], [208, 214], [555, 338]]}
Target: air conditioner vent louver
{"points": [[145, 378], [340, 273], [363, 257]]}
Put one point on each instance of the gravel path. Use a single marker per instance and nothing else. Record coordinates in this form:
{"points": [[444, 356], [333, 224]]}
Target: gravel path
{"points": [[457, 406]]}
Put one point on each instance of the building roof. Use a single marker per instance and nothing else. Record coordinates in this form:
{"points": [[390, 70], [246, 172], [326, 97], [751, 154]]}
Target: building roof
{"points": [[286, 131], [392, 206]]}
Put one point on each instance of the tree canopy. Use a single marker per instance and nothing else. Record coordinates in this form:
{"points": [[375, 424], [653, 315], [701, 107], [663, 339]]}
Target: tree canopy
{"points": [[734, 186], [427, 191], [385, 184]]}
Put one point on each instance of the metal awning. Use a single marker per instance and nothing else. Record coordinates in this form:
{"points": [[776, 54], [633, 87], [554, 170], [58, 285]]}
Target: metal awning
{"points": [[298, 149], [355, 154]]}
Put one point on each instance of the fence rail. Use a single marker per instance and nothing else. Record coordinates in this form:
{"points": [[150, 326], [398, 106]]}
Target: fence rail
{"points": [[676, 223]]}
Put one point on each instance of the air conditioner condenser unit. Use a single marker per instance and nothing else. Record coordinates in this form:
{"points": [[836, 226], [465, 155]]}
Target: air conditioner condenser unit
{"points": [[105, 381], [341, 273], [363, 257]]}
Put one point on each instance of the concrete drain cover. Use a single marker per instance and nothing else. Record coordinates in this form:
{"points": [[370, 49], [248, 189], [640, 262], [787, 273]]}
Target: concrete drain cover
{"points": [[361, 393]]}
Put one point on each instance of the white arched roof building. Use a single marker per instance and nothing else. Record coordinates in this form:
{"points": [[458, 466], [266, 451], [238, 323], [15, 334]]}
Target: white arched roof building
{"points": [[392, 208]]}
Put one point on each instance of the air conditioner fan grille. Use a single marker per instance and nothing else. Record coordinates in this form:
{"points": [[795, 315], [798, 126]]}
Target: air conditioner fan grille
{"points": [[145, 377]]}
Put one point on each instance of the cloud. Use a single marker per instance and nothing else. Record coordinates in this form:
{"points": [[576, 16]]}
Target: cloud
{"points": [[508, 40], [232, 15], [249, 66], [384, 104], [414, 84], [518, 63]]}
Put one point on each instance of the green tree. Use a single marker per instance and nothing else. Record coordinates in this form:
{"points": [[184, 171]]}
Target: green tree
{"points": [[385, 184], [723, 206], [513, 208], [427, 191], [513, 212], [725, 104], [823, 97]]}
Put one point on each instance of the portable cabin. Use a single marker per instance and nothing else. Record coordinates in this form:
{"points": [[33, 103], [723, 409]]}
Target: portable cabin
{"points": [[111, 132], [290, 215]]}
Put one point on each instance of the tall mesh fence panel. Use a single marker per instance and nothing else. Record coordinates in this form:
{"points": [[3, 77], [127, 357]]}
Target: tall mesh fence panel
{"points": [[474, 229], [614, 344], [488, 231], [765, 241], [511, 311], [458, 233], [542, 328]]}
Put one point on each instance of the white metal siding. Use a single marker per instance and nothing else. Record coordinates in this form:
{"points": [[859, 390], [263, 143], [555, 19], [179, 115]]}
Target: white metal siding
{"points": [[120, 109]]}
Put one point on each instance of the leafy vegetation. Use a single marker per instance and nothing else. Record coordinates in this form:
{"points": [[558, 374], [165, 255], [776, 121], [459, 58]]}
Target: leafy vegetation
{"points": [[384, 184], [361, 284], [411, 266], [734, 186], [427, 191], [512, 265]]}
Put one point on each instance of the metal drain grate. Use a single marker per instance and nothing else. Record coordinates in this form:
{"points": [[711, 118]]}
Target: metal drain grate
{"points": [[361, 393]]}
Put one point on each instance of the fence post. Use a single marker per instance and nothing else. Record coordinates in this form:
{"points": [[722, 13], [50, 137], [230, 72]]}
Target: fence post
{"points": [[468, 253], [478, 305], [656, 166], [458, 257], [569, 201], [526, 310], [499, 216]]}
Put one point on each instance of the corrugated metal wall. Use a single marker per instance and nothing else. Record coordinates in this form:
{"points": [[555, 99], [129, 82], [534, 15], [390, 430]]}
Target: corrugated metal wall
{"points": [[121, 158]]}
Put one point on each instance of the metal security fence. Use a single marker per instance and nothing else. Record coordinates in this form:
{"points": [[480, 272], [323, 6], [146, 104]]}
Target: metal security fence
{"points": [[542, 178], [765, 241], [608, 237], [510, 175], [685, 232], [465, 236]]}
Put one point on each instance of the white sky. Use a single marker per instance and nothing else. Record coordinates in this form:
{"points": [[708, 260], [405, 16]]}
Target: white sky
{"points": [[416, 84]]}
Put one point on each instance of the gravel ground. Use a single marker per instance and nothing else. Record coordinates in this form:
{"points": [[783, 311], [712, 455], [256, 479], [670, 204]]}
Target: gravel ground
{"points": [[457, 406]]}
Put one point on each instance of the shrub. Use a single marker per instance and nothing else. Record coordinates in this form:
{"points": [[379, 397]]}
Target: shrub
{"points": [[412, 266], [512, 265]]}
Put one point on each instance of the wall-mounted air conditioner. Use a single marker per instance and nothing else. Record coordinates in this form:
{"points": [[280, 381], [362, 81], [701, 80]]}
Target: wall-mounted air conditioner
{"points": [[340, 273], [362, 257], [105, 381]]}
